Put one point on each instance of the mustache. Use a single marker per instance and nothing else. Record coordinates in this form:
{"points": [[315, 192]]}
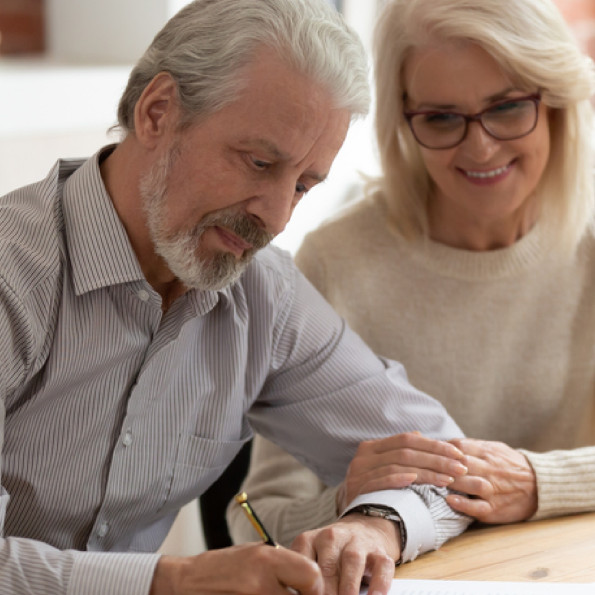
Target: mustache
{"points": [[240, 224]]}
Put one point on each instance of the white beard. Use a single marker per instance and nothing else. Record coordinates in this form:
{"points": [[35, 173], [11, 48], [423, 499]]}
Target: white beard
{"points": [[181, 248]]}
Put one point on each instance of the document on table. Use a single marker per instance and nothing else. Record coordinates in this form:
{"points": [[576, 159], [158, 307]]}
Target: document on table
{"points": [[432, 587]]}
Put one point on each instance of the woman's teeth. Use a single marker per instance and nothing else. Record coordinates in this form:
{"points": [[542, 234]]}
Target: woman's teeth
{"points": [[487, 174]]}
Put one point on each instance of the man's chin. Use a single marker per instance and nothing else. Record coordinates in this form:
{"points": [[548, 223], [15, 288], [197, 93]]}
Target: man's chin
{"points": [[209, 280]]}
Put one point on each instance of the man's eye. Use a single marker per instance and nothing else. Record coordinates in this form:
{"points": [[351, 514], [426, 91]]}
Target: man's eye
{"points": [[300, 188], [259, 163]]}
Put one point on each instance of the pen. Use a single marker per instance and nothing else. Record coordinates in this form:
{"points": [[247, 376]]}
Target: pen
{"points": [[242, 500]]}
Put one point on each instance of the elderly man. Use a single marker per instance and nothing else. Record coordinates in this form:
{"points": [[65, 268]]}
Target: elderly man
{"points": [[143, 337]]}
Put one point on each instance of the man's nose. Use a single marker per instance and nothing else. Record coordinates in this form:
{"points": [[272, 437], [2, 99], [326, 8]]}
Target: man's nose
{"points": [[273, 205]]}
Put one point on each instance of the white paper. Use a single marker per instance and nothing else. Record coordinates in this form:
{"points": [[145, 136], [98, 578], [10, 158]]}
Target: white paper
{"points": [[432, 587]]}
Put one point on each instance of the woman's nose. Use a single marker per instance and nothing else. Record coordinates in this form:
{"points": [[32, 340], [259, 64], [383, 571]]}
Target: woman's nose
{"points": [[478, 143]]}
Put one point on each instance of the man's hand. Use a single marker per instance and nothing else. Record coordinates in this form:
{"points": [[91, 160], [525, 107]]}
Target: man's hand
{"points": [[500, 483], [251, 569], [398, 461], [354, 549]]}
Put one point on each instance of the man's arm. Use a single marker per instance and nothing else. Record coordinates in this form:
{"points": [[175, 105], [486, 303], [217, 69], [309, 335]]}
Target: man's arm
{"points": [[327, 392], [33, 567]]}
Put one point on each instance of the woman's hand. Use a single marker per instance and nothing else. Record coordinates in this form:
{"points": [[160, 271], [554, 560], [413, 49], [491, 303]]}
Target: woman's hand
{"points": [[398, 461], [500, 486]]}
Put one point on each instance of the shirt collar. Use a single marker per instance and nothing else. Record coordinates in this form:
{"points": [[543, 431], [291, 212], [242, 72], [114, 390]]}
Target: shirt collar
{"points": [[99, 249]]}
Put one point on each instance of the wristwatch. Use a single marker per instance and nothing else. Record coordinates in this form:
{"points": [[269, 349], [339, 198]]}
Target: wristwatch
{"points": [[384, 512]]}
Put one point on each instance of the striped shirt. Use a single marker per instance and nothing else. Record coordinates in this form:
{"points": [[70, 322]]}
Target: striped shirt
{"points": [[117, 414]]}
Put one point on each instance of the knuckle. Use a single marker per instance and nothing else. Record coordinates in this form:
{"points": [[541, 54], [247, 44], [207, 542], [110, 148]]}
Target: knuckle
{"points": [[381, 558], [329, 533], [328, 568], [408, 438], [484, 489], [264, 554], [301, 541], [351, 557], [406, 455]]}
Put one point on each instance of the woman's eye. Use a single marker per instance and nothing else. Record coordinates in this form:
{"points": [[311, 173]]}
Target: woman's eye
{"points": [[506, 106], [442, 120]]}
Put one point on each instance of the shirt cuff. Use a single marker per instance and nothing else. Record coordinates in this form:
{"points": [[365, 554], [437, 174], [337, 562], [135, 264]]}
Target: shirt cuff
{"points": [[97, 573], [417, 520]]}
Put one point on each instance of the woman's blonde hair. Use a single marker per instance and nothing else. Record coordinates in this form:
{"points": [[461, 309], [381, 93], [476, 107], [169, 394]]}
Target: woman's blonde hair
{"points": [[532, 43]]}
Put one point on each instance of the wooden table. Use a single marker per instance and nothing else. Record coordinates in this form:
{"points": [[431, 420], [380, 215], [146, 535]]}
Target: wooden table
{"points": [[555, 550]]}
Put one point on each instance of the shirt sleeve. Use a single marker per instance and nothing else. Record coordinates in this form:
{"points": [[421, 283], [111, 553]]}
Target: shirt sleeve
{"points": [[33, 567], [29, 567], [428, 520], [565, 481]]}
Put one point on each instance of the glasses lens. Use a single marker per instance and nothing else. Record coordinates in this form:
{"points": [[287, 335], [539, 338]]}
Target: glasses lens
{"points": [[510, 119], [438, 129]]}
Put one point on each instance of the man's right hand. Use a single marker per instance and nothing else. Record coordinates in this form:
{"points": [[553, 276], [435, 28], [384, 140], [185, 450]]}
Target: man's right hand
{"points": [[250, 569]]}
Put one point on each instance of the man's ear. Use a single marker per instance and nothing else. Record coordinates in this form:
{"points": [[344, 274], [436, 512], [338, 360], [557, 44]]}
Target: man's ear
{"points": [[156, 111]]}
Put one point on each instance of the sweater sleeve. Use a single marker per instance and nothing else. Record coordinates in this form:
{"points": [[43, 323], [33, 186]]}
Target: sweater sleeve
{"points": [[288, 497], [565, 481], [309, 261]]}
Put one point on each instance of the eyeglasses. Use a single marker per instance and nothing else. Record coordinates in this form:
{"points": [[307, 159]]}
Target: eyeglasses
{"points": [[505, 120]]}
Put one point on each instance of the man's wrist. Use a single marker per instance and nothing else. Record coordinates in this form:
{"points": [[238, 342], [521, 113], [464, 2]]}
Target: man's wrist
{"points": [[163, 577], [388, 513]]}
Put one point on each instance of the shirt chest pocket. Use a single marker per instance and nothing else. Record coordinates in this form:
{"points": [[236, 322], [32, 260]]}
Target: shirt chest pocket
{"points": [[198, 463]]}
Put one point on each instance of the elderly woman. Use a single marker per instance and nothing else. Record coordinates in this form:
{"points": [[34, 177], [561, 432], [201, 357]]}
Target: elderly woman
{"points": [[472, 261]]}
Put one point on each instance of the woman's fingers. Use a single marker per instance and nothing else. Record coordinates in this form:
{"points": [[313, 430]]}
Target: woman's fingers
{"points": [[417, 442], [397, 461]]}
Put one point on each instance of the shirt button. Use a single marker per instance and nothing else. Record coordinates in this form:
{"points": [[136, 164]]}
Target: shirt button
{"points": [[102, 529], [127, 439], [143, 295]]}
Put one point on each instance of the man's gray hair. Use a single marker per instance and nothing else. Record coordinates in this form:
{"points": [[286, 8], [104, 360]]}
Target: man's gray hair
{"points": [[206, 43]]}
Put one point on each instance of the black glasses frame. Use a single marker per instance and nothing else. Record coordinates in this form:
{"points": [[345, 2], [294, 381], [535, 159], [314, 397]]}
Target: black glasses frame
{"points": [[535, 98]]}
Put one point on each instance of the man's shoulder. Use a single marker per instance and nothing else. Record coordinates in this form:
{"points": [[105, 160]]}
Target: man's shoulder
{"points": [[272, 269], [32, 230]]}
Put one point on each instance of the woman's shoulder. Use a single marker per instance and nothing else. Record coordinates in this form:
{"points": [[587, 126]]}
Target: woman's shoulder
{"points": [[357, 224]]}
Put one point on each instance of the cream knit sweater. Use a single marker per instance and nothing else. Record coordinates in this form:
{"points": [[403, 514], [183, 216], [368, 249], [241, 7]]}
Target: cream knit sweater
{"points": [[504, 339]]}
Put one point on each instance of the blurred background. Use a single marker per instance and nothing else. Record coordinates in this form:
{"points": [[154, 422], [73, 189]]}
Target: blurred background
{"points": [[63, 67]]}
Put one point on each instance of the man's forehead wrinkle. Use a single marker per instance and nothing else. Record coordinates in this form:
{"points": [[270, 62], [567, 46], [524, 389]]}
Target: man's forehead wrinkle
{"points": [[268, 146]]}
